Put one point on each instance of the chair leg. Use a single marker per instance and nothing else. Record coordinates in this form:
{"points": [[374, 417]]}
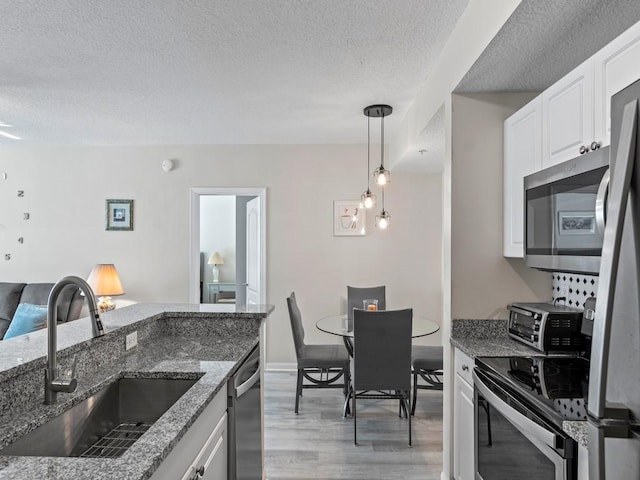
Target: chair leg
{"points": [[409, 417], [353, 403], [415, 393], [298, 389]]}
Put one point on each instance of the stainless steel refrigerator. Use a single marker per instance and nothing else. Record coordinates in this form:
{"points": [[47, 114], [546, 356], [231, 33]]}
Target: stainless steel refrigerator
{"points": [[614, 376]]}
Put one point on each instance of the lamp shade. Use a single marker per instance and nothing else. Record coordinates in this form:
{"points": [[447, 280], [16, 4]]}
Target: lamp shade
{"points": [[215, 259], [104, 280]]}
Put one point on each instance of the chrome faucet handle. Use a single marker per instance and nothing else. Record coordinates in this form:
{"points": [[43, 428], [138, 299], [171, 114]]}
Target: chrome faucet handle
{"points": [[68, 383]]}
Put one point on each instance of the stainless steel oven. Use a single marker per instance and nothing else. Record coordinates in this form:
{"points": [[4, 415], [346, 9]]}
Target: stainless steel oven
{"points": [[514, 436]]}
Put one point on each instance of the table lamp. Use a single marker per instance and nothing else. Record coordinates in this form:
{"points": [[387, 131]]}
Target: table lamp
{"points": [[105, 282], [215, 259]]}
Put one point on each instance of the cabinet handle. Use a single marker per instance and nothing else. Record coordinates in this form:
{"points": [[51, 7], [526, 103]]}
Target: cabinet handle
{"points": [[200, 472], [595, 145], [465, 368], [583, 149]]}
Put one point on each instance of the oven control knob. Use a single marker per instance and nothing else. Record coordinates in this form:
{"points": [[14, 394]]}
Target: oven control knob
{"points": [[536, 316], [536, 327], [534, 369], [534, 338]]}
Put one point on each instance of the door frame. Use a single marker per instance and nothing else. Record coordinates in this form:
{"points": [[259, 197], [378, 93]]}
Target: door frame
{"points": [[194, 234]]}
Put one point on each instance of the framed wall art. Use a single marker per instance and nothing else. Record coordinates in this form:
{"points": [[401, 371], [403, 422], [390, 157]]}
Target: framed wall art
{"points": [[348, 218], [119, 215]]}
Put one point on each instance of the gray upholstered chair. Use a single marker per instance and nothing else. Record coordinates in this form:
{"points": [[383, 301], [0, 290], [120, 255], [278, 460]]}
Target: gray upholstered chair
{"points": [[355, 296], [381, 364], [329, 362], [426, 363]]}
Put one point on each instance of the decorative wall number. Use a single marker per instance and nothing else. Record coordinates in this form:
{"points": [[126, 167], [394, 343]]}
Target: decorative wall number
{"points": [[21, 240], [7, 256], [26, 216], [21, 193]]}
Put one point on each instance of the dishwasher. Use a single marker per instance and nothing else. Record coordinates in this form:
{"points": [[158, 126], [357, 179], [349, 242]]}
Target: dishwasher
{"points": [[244, 415]]}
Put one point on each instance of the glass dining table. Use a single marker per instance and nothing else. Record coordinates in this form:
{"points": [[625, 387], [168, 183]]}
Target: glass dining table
{"points": [[340, 325]]}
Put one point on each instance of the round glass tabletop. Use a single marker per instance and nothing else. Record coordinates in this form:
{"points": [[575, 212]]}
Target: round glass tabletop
{"points": [[337, 325]]}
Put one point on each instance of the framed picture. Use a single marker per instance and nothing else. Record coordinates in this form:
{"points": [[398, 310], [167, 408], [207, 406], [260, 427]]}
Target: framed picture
{"points": [[348, 218], [119, 215], [576, 223]]}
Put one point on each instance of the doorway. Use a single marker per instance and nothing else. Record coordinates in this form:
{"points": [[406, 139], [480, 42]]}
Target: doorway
{"points": [[248, 255]]}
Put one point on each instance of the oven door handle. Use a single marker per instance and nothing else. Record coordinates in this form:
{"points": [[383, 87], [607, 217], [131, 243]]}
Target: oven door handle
{"points": [[519, 420]]}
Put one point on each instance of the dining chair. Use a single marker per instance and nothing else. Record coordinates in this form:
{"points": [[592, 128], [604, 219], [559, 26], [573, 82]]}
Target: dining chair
{"points": [[426, 363], [381, 363], [322, 365], [356, 295]]}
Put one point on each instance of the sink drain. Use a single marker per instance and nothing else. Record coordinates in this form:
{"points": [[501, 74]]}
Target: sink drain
{"points": [[117, 441]]}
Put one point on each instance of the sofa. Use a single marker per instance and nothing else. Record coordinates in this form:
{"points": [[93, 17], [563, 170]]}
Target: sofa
{"points": [[12, 294]]}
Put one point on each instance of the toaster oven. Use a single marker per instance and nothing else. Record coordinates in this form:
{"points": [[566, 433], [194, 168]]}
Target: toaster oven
{"points": [[546, 327]]}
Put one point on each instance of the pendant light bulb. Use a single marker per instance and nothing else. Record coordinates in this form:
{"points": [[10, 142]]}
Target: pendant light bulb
{"points": [[381, 176], [368, 199], [383, 220]]}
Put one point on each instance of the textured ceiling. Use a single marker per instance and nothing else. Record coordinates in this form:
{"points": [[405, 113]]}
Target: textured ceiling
{"points": [[139, 72], [544, 40]]}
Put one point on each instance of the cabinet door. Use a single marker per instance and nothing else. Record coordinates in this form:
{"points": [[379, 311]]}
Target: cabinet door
{"points": [[463, 431], [616, 66], [567, 116], [211, 463], [522, 156]]}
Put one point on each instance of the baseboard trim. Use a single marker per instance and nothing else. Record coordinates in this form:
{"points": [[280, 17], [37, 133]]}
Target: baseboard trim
{"points": [[281, 367]]}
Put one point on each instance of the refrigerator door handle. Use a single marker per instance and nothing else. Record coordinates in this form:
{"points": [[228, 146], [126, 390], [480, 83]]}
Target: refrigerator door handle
{"points": [[617, 206], [601, 201]]}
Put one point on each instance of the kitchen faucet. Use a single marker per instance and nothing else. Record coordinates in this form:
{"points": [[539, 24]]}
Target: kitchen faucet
{"points": [[53, 382]]}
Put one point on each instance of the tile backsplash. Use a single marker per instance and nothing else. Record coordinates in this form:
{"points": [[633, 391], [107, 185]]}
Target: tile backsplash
{"points": [[576, 288]]}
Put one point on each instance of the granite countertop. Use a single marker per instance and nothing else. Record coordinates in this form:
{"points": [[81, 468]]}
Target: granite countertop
{"points": [[200, 342], [488, 338]]}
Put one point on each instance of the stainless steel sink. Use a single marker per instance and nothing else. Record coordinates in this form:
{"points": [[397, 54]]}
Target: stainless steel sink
{"points": [[106, 423]]}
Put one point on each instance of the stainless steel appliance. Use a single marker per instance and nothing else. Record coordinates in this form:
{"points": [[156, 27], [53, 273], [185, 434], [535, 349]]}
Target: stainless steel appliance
{"points": [[614, 386], [564, 214], [245, 420], [546, 327], [521, 403]]}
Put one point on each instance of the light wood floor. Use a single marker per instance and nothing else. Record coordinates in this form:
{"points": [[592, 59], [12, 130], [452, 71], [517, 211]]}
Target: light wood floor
{"points": [[318, 442]]}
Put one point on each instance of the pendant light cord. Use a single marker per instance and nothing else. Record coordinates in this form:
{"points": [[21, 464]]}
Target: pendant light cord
{"points": [[368, 151], [382, 140]]}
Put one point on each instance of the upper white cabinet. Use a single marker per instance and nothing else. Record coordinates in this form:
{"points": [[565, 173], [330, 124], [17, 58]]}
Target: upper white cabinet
{"points": [[567, 113], [522, 156], [573, 113], [616, 66]]}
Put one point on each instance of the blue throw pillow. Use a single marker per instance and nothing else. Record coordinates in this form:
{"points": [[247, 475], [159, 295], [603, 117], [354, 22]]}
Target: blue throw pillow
{"points": [[28, 318]]}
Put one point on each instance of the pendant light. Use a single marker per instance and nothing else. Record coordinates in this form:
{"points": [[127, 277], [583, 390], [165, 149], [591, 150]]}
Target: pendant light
{"points": [[381, 175], [383, 219], [368, 199]]}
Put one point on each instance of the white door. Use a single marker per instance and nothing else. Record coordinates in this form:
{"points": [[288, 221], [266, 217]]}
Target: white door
{"points": [[522, 156], [567, 116], [254, 287]]}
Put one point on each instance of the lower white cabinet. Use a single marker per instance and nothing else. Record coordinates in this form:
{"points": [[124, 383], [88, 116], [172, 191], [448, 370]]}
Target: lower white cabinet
{"points": [[583, 463], [463, 418], [202, 451]]}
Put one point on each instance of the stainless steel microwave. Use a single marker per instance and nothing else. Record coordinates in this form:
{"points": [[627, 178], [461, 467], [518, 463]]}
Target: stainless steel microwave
{"points": [[564, 214]]}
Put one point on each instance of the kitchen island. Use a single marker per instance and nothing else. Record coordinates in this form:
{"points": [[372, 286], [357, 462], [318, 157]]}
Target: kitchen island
{"points": [[204, 343]]}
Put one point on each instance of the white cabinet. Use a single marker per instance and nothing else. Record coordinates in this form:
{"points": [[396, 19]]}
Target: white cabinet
{"points": [[463, 418], [567, 116], [616, 66], [583, 463], [202, 452], [522, 156]]}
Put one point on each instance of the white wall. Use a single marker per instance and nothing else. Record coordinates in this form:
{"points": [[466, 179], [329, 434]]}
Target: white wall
{"points": [[483, 282], [218, 234], [66, 187]]}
